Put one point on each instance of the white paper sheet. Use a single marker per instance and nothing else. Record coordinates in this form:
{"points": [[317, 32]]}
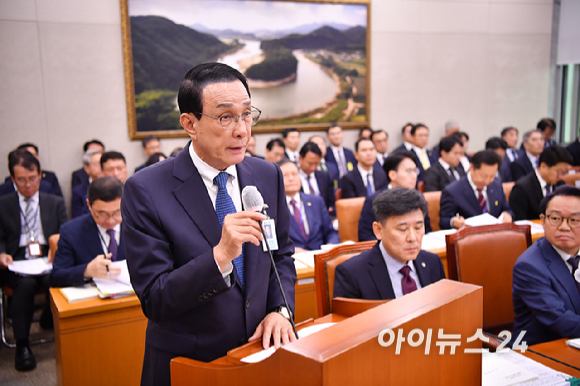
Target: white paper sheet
{"points": [[33, 267], [574, 343], [535, 228], [482, 219], [306, 257], [430, 243], [77, 294], [123, 277], [299, 265]]}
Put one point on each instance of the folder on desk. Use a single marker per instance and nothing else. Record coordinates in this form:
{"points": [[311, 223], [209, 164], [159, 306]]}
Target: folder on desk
{"points": [[77, 294], [119, 285]]}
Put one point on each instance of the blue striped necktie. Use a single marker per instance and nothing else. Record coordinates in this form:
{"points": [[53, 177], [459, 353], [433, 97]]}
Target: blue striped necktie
{"points": [[224, 205]]}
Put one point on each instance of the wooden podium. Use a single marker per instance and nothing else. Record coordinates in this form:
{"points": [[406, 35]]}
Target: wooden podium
{"points": [[349, 352]]}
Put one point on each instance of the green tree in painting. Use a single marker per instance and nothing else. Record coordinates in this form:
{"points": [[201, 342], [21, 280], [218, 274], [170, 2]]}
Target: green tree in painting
{"points": [[156, 110]]}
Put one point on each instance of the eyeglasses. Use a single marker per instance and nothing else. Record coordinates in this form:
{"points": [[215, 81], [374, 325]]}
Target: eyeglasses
{"points": [[104, 216], [30, 180], [414, 171], [230, 121], [555, 220]]}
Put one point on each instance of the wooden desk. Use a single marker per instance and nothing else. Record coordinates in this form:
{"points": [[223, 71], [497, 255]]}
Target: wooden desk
{"points": [[555, 351], [98, 341]]}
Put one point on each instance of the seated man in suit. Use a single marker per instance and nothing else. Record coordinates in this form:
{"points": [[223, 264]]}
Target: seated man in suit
{"points": [[574, 150], [275, 150], [365, 179], [447, 168], [546, 295], [314, 181], [336, 154], [47, 176], [89, 243], [311, 227], [425, 157], [291, 139], [548, 127], [477, 193], [528, 161], [113, 164], [396, 265], [510, 135], [407, 144], [27, 219], [380, 139], [401, 171], [331, 169], [530, 190], [151, 145], [92, 162], [499, 146], [80, 176]]}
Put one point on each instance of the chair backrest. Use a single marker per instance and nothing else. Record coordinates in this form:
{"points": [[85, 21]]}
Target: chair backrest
{"points": [[52, 246], [348, 213], [486, 256], [324, 266], [433, 203], [421, 186], [507, 189]]}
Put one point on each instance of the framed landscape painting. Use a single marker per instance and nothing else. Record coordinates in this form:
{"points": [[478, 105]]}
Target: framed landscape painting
{"points": [[307, 62]]}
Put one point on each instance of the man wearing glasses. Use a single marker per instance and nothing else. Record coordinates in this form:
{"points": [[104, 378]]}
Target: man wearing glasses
{"points": [[528, 192], [27, 219], [89, 243], [195, 256], [546, 288]]}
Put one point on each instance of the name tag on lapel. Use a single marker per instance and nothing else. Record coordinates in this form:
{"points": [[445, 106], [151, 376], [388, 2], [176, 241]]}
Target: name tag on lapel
{"points": [[270, 233]]}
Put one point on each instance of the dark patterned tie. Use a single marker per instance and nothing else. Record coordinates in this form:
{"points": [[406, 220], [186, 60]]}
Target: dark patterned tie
{"points": [[224, 205], [574, 263], [452, 175], [113, 247], [482, 201], [312, 191], [298, 218], [407, 281]]}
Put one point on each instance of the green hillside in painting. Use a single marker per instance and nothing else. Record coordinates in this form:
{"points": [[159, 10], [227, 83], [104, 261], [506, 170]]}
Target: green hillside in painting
{"points": [[352, 39]]}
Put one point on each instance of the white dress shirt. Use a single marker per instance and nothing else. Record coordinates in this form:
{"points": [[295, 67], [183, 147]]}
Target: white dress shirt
{"points": [[533, 160], [447, 167], [542, 182], [382, 157], [364, 174], [476, 192], [304, 178], [565, 256], [394, 266], [35, 201], [106, 239]]}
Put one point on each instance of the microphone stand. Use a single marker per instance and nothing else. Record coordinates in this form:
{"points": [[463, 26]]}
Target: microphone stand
{"points": [[291, 314]]}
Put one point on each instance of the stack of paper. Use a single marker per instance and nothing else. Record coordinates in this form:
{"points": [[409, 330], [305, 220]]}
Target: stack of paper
{"points": [[574, 343], [32, 267], [435, 240], [482, 219], [117, 285], [77, 294], [535, 228]]}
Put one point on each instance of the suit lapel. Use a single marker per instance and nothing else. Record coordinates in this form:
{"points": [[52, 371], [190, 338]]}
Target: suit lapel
{"points": [[45, 216], [443, 173], [92, 238], [536, 191], [561, 272], [15, 209], [311, 218], [470, 196], [380, 274], [422, 269]]}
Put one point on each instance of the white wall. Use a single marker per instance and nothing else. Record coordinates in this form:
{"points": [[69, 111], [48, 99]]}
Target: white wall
{"points": [[483, 63]]}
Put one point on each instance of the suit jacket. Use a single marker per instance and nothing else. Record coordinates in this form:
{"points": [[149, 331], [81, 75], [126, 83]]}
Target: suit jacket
{"points": [[79, 177], [330, 160], [417, 162], [546, 299], [52, 216], [574, 149], [8, 187], [79, 200], [140, 167], [326, 188], [367, 217], [333, 173], [436, 178], [521, 167], [505, 172], [458, 197], [319, 225], [170, 228], [526, 196], [353, 186], [78, 245], [50, 177], [366, 276]]}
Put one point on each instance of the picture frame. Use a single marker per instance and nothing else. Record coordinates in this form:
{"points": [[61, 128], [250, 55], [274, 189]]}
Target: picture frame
{"points": [[307, 61]]}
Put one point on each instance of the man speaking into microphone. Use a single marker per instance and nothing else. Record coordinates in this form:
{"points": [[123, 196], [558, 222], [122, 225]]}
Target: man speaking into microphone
{"points": [[196, 258]]}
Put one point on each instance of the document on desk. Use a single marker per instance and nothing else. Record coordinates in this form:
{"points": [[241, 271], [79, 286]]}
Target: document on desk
{"points": [[303, 333], [535, 228], [574, 342], [118, 285], [77, 294], [512, 368], [482, 219], [31, 267], [307, 257]]}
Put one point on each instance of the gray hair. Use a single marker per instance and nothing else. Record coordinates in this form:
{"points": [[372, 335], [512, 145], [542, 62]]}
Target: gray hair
{"points": [[397, 202], [528, 134], [89, 154]]}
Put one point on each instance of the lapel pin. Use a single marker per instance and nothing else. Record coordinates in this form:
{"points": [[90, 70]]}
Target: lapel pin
{"points": [[423, 265], [496, 203], [310, 204]]}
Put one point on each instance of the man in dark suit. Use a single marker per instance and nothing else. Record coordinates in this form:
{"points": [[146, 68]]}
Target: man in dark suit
{"points": [[151, 145], [401, 171], [92, 162], [407, 144], [548, 127], [510, 136], [365, 179], [396, 265], [312, 226], [336, 154], [291, 139], [546, 295], [530, 190], [533, 143], [195, 258], [380, 139], [447, 168], [80, 176], [499, 146], [314, 181], [47, 176], [89, 243], [331, 169], [27, 219], [425, 157], [574, 149], [477, 193]]}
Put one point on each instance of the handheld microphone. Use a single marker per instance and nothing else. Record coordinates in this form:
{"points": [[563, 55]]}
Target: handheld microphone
{"points": [[254, 202]]}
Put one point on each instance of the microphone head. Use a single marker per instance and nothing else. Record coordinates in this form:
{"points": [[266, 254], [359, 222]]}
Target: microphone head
{"points": [[252, 199]]}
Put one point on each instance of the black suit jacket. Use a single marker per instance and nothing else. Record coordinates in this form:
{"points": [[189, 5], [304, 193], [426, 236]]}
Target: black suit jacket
{"points": [[326, 188], [366, 276], [436, 178], [78, 177], [353, 186], [526, 196], [521, 167], [52, 215], [574, 149], [79, 200]]}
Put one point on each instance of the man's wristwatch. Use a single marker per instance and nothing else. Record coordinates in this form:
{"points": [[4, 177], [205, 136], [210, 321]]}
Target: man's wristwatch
{"points": [[283, 311]]}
